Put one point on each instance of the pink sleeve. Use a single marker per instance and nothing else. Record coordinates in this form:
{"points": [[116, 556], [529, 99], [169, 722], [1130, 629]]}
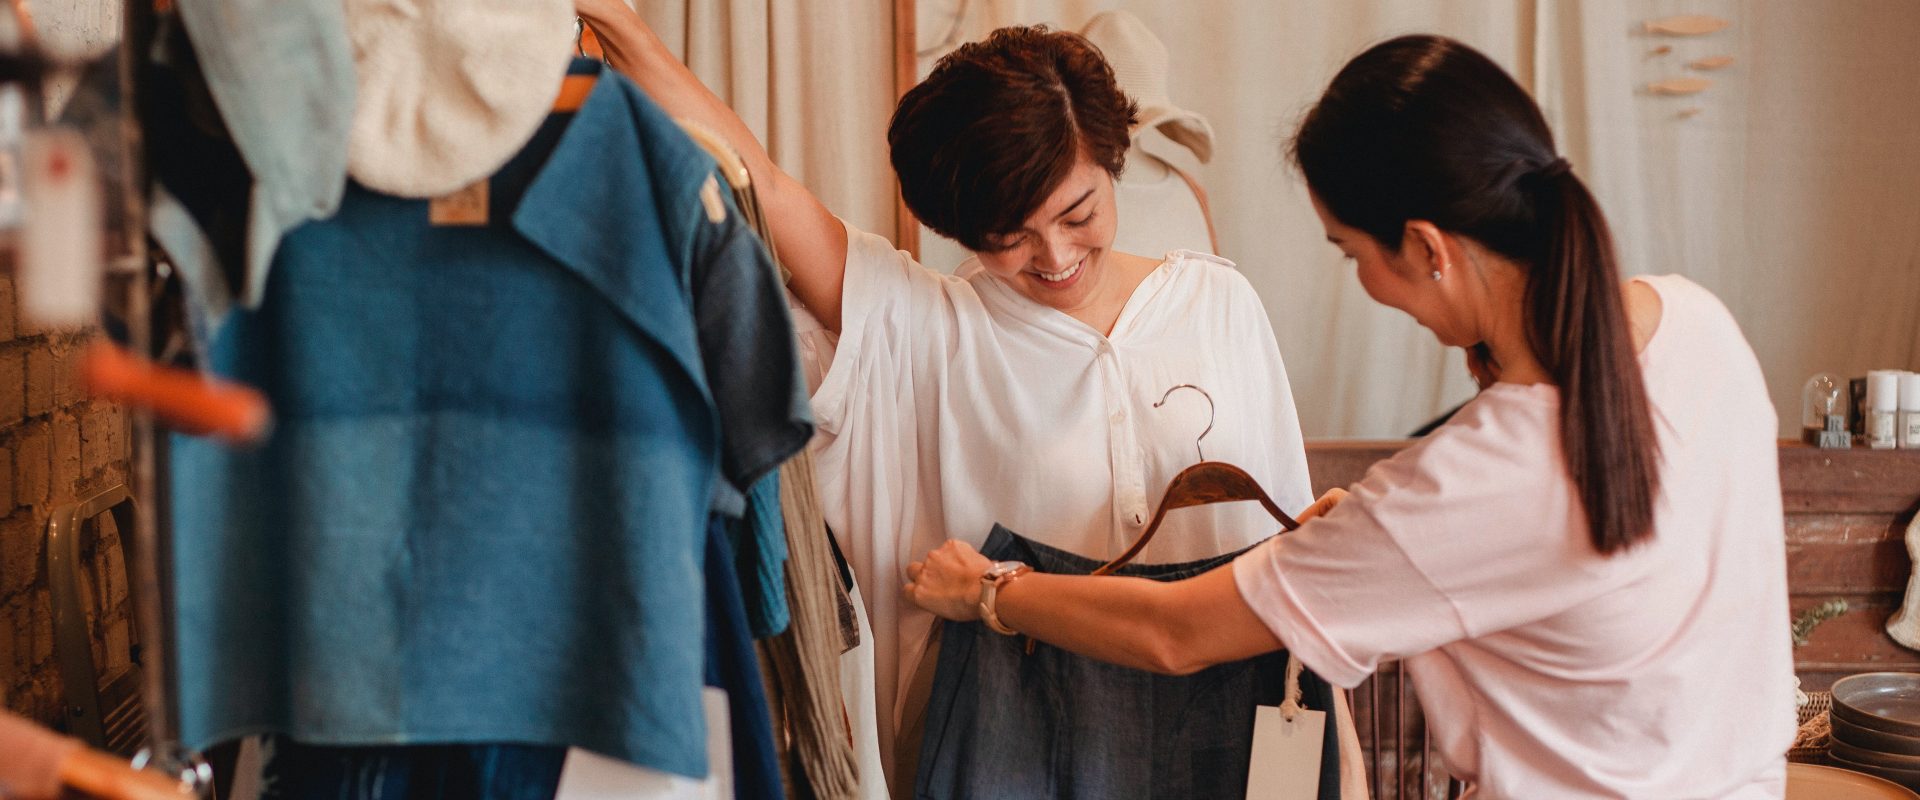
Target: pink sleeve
{"points": [[1343, 597], [1470, 532], [31, 766]]}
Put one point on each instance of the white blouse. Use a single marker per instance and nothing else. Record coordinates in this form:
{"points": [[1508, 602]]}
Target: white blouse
{"points": [[949, 403]]}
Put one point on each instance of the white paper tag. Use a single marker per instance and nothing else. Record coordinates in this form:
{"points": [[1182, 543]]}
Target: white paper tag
{"points": [[61, 247], [591, 776], [1286, 755]]}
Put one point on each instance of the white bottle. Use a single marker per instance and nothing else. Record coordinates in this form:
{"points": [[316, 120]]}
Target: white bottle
{"points": [[1883, 407], [1908, 423]]}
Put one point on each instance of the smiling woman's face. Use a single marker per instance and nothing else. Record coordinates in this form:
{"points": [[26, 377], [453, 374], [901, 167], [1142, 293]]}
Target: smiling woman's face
{"points": [[1057, 258]]}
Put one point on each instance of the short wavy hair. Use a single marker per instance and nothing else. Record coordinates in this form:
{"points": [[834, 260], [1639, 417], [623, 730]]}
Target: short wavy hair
{"points": [[999, 124]]}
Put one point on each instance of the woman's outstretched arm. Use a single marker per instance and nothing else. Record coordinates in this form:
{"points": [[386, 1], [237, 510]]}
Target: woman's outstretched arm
{"points": [[1177, 627], [811, 241]]}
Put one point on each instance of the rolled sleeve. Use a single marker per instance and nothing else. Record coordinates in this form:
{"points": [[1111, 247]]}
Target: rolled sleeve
{"points": [[1342, 596]]}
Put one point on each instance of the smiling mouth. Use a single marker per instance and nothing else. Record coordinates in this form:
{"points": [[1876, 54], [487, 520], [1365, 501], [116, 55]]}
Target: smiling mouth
{"points": [[1063, 277]]}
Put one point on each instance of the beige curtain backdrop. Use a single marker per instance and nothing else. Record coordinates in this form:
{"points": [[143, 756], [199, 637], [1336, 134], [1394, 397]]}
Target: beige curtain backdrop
{"points": [[813, 80], [1791, 188]]}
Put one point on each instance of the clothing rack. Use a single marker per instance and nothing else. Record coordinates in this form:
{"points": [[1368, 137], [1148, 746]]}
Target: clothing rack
{"points": [[136, 279]]}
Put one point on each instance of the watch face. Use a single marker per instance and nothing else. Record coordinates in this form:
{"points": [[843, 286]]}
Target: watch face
{"points": [[1001, 568]]}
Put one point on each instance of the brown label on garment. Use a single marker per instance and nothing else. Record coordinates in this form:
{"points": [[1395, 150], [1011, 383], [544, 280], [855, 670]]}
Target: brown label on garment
{"points": [[466, 206]]}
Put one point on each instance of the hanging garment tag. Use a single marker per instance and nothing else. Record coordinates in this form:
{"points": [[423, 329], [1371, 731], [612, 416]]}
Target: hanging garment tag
{"points": [[62, 249], [587, 775], [463, 207], [1286, 755]]}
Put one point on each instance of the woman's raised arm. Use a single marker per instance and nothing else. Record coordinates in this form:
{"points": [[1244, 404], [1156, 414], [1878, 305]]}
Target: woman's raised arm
{"points": [[811, 241]]}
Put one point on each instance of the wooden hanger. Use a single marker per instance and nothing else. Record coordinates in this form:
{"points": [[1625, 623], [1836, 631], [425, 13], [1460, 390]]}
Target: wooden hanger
{"points": [[1205, 483], [723, 154], [94, 774], [575, 88]]}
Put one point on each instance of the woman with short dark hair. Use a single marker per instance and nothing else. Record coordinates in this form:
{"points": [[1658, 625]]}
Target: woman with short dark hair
{"points": [[1584, 570], [1026, 388]]}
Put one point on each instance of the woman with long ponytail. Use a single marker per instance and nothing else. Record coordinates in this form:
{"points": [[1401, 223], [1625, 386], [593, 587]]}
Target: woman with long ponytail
{"points": [[1584, 569]]}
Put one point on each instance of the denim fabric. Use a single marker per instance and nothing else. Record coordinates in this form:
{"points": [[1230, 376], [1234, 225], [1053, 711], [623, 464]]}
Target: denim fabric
{"points": [[299, 771], [751, 358], [752, 363], [281, 74], [483, 512], [732, 665], [760, 558], [1003, 724]]}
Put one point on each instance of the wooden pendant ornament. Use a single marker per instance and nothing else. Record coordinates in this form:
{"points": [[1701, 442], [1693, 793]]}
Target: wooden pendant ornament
{"points": [[1680, 86], [1687, 25]]}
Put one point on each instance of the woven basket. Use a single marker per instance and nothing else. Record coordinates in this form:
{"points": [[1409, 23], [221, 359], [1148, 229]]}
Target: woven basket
{"points": [[1819, 705]]}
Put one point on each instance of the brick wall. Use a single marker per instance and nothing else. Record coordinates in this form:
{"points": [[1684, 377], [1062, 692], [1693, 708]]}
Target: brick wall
{"points": [[56, 446]]}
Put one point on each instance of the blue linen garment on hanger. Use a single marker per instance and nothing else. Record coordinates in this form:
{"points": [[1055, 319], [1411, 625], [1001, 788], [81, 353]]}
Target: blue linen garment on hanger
{"points": [[482, 513]]}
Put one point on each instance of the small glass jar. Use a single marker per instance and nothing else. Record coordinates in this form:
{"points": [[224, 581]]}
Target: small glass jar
{"points": [[1823, 417]]}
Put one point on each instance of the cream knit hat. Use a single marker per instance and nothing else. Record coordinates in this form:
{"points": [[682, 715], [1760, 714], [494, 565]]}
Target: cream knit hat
{"points": [[449, 90], [1139, 62]]}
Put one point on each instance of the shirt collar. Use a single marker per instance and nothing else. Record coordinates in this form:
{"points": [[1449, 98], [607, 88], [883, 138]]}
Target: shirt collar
{"points": [[612, 203]]}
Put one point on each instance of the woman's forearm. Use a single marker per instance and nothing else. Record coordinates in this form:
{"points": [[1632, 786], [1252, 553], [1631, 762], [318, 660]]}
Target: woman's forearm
{"points": [[1173, 628], [810, 241], [633, 49]]}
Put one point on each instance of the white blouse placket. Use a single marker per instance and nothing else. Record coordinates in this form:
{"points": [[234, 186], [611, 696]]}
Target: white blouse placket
{"points": [[1123, 447]]}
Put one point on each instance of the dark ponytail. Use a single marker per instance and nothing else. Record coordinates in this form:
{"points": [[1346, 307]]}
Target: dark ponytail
{"points": [[1579, 332], [1426, 128]]}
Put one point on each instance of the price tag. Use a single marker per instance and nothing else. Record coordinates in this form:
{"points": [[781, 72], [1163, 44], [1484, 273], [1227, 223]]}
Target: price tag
{"points": [[1286, 755], [62, 252], [588, 775]]}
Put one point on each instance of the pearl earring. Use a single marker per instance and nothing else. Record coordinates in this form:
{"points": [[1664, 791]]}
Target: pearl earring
{"points": [[1436, 274]]}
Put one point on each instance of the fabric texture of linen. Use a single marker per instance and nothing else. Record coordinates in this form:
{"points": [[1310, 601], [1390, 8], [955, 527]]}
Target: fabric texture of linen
{"points": [[1006, 723], [806, 658], [759, 542], [483, 511], [1551, 670], [951, 403], [733, 665]]}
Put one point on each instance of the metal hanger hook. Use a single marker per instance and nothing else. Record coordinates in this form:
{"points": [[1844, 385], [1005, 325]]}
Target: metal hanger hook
{"points": [[1210, 412]]}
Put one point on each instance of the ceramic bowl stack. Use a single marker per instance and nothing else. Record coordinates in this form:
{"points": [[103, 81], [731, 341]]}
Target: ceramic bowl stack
{"points": [[1876, 726]]}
